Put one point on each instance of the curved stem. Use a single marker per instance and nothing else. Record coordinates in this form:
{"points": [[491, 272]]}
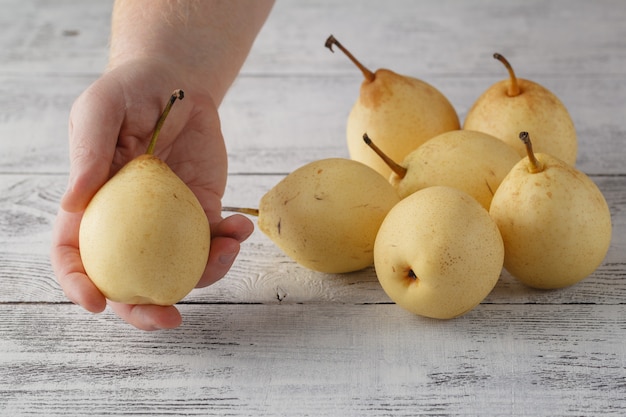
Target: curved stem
{"points": [[513, 85], [395, 167], [534, 165], [369, 75], [176, 95]]}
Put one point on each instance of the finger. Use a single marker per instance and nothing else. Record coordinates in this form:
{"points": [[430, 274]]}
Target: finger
{"points": [[68, 267], [95, 122], [148, 317], [223, 252], [237, 227], [227, 236]]}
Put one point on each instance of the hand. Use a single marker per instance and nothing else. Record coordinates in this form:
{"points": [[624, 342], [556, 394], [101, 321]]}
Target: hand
{"points": [[110, 124]]}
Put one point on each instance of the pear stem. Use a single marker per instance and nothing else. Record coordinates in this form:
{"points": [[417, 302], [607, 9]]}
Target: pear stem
{"points": [[176, 95], [243, 210], [369, 75], [395, 167], [513, 85], [535, 165]]}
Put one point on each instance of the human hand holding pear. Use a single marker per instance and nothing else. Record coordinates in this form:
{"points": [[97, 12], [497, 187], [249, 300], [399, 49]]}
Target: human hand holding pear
{"points": [[144, 237], [110, 124]]}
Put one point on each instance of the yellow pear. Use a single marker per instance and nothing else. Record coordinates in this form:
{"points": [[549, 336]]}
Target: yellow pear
{"points": [[515, 104], [402, 111], [325, 214], [473, 162], [554, 220], [438, 253], [144, 237]]}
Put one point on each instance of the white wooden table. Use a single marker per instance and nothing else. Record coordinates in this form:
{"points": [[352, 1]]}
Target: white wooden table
{"points": [[273, 338]]}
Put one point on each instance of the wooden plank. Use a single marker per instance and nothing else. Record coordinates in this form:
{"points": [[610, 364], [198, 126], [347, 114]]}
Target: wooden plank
{"points": [[322, 360], [34, 122], [274, 125], [64, 36], [262, 273], [294, 94], [444, 37], [281, 123], [273, 338], [422, 39]]}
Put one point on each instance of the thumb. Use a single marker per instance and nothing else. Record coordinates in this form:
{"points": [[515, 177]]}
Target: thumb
{"points": [[94, 126]]}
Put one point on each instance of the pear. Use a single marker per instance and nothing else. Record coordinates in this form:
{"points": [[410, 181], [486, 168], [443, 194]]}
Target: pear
{"points": [[473, 162], [438, 253], [325, 214], [554, 220], [515, 104], [403, 111], [144, 237]]}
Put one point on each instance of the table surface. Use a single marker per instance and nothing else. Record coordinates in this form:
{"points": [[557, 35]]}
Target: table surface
{"points": [[273, 338]]}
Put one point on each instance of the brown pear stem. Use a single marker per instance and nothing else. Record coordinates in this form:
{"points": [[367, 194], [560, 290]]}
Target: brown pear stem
{"points": [[176, 95], [243, 210], [513, 84], [395, 167], [534, 165], [369, 75]]}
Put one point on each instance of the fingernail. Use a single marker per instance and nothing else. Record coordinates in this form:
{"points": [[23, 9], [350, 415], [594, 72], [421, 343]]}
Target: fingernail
{"points": [[227, 258]]}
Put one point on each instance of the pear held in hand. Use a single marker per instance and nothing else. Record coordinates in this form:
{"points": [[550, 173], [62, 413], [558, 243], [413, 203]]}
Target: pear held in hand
{"points": [[402, 111], [144, 237], [325, 214], [514, 105], [473, 162], [438, 253], [554, 220]]}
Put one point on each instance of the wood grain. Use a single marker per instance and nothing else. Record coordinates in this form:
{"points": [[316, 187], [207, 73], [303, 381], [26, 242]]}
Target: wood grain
{"points": [[262, 273], [324, 359], [294, 94], [297, 120], [444, 37]]}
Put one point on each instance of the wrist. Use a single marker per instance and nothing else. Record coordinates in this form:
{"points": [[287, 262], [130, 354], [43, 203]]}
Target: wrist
{"points": [[206, 41], [165, 66]]}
